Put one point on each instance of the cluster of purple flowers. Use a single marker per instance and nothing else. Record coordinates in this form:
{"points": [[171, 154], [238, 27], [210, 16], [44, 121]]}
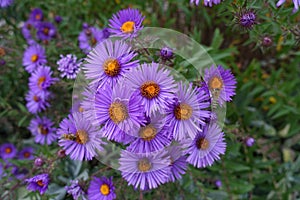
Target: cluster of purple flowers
{"points": [[8, 152], [34, 61], [163, 124], [89, 37], [36, 28]]}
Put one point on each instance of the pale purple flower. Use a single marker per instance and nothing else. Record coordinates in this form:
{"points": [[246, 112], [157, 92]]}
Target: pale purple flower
{"points": [[69, 66]]}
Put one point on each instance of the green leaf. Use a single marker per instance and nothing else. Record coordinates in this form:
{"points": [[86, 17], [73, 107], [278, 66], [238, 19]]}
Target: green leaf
{"points": [[236, 167], [239, 186], [217, 39]]}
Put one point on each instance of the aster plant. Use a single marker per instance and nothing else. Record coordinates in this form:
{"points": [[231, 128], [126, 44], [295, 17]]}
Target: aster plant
{"points": [[38, 183], [78, 137], [8, 151], [126, 23], [69, 66], [101, 188], [160, 124], [89, 37], [34, 56], [108, 62], [43, 130]]}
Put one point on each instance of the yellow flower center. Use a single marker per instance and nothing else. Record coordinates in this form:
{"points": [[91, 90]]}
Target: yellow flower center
{"points": [[215, 83], [80, 109], [104, 189], [40, 183], [36, 98], [82, 137], [93, 41], [128, 27], [150, 90], [202, 143], [42, 130], [41, 80], [112, 67], [34, 57], [183, 111], [46, 31], [118, 112], [144, 165], [148, 132], [26, 154], [38, 17], [8, 150]]}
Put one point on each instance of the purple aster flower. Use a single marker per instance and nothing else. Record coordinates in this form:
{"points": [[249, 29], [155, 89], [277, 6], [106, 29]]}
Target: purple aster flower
{"points": [[42, 129], [69, 66], [218, 183], [145, 171], [155, 87], [7, 151], [27, 29], [41, 80], [166, 53], [119, 111], [37, 102], [34, 56], [249, 141], [221, 83], [109, 61], [106, 186], [178, 162], [206, 147], [89, 37], [75, 190], [26, 153], [246, 18], [296, 4], [152, 137], [19, 173], [79, 138], [5, 3], [58, 19], [38, 183], [187, 113], [36, 15], [126, 23], [46, 31]]}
